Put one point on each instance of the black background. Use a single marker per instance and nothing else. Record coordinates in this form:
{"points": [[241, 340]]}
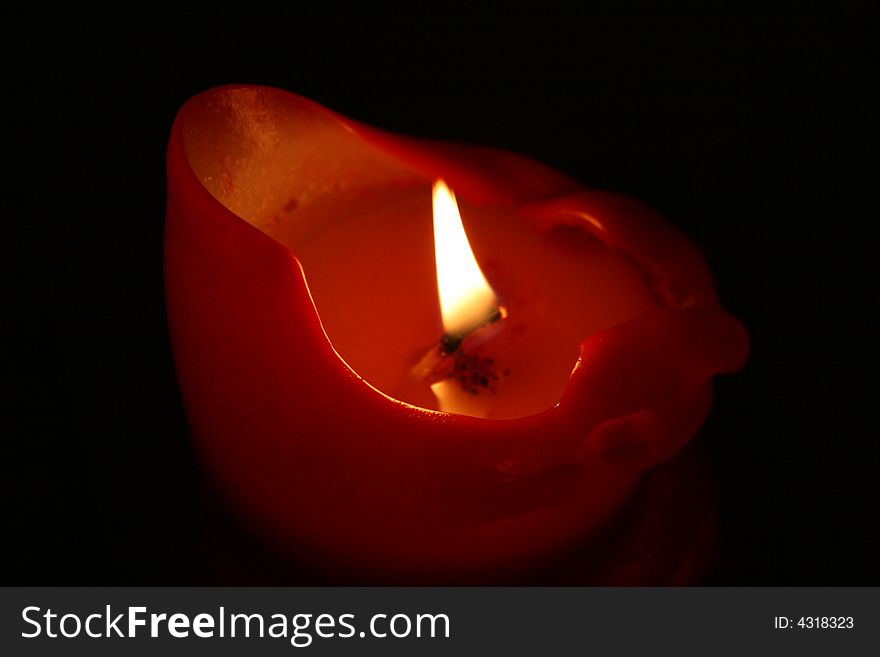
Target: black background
{"points": [[752, 129]]}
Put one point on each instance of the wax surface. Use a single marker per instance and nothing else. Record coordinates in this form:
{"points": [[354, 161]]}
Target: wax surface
{"points": [[373, 282]]}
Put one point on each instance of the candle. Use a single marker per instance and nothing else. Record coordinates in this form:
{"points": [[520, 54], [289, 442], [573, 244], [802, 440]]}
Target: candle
{"points": [[305, 285]]}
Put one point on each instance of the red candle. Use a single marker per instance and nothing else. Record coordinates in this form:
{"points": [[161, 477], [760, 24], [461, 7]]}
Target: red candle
{"points": [[303, 259]]}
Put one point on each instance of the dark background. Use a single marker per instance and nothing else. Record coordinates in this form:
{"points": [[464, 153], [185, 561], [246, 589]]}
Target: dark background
{"points": [[751, 129]]}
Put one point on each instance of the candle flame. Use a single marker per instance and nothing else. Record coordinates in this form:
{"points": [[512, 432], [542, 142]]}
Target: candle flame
{"points": [[466, 299]]}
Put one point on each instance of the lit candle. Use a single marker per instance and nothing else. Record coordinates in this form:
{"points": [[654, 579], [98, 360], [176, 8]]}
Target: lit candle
{"points": [[469, 309], [386, 386]]}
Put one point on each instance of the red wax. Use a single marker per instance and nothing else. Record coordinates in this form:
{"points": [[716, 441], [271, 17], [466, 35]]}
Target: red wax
{"points": [[300, 289]]}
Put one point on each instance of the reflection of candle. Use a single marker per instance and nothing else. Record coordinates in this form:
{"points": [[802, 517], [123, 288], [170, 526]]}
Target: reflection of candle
{"points": [[603, 362]]}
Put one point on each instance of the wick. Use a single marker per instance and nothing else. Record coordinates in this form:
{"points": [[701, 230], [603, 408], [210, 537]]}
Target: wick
{"points": [[450, 342], [439, 362]]}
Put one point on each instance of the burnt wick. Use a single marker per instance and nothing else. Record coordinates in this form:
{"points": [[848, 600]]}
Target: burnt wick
{"points": [[456, 357], [476, 375]]}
